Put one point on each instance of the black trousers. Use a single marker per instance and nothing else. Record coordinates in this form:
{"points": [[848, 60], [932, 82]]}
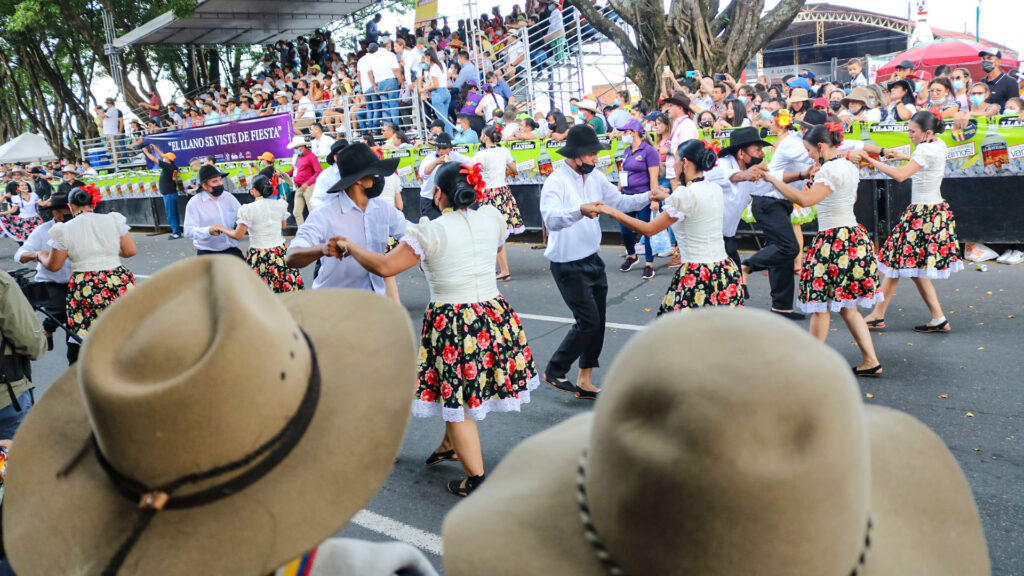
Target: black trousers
{"points": [[234, 251], [429, 209], [777, 257], [56, 304], [584, 287], [732, 250]]}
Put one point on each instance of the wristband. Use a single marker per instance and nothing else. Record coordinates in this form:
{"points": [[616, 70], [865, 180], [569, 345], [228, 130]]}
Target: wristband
{"points": [[882, 152]]}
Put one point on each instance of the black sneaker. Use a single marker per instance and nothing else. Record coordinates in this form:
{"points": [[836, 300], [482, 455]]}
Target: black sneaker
{"points": [[648, 272], [628, 263]]}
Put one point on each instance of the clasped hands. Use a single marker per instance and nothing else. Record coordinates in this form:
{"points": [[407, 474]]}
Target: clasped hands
{"points": [[595, 209], [336, 247]]}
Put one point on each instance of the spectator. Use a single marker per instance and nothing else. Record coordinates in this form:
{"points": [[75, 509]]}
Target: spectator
{"points": [[435, 86], [501, 88], [797, 101], [305, 112], [901, 102], [591, 116], [489, 102], [88, 170], [903, 69], [706, 119], [387, 75], [860, 107], [245, 111], [210, 116], [734, 115], [372, 29], [527, 129], [978, 102], [364, 66], [1013, 107], [467, 71], [558, 128], [718, 95], [469, 100], [511, 128], [940, 95], [617, 117], [683, 130], [960, 79], [113, 127], [24, 342], [639, 175], [1001, 87], [153, 104], [304, 174], [464, 134], [197, 118], [943, 71], [321, 143]]}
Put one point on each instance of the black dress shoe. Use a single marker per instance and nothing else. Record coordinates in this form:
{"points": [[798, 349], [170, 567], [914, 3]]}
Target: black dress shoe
{"points": [[873, 372], [560, 383], [792, 315]]}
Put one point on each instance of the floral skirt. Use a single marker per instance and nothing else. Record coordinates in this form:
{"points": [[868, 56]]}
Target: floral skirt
{"points": [[474, 359], [696, 285], [502, 199], [269, 264], [839, 271], [89, 293], [18, 228], [922, 244]]}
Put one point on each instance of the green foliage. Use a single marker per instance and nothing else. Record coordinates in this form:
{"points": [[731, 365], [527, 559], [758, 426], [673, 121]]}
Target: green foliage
{"points": [[182, 8]]}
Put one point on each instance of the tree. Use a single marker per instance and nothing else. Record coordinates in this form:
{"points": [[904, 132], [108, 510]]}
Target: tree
{"points": [[690, 35]]}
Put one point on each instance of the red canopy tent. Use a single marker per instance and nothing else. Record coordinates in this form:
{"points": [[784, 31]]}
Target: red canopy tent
{"points": [[953, 53]]}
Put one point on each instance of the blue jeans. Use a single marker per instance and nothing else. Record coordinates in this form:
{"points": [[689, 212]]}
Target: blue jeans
{"points": [[10, 418], [666, 183], [629, 237], [387, 92], [372, 111], [171, 210], [440, 99]]}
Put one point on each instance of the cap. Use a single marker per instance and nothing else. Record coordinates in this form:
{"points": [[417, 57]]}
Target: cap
{"points": [[266, 156], [808, 74], [652, 116], [799, 83], [443, 140], [633, 125], [991, 51], [820, 103], [907, 64]]}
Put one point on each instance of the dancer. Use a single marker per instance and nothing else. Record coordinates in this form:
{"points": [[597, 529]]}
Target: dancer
{"points": [[264, 220], [839, 272], [789, 154], [18, 221], [496, 163], [211, 206], [95, 244], [923, 244], [569, 205], [474, 358], [708, 277]]}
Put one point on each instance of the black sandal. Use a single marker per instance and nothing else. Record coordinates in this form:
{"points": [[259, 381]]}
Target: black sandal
{"points": [[503, 277], [438, 457], [561, 384], [873, 372], [472, 482], [876, 324], [586, 394], [928, 328]]}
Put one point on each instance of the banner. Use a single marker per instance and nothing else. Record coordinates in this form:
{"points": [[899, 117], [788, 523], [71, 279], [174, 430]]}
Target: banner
{"points": [[227, 141], [426, 10]]}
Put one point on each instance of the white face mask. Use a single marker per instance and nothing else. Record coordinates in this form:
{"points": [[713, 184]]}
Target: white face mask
{"points": [[627, 139]]}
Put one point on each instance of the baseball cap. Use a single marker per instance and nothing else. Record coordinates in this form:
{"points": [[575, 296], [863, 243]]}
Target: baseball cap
{"points": [[799, 83], [808, 74], [443, 140], [906, 64], [266, 156], [991, 51]]}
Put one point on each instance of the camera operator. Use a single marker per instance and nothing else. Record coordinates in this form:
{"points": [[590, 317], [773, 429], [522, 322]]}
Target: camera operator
{"points": [[21, 340], [56, 282]]}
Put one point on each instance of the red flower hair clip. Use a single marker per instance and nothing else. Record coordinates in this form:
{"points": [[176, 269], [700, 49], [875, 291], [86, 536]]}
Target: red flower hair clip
{"points": [[834, 128], [713, 145], [785, 118], [94, 192], [475, 178], [936, 112]]}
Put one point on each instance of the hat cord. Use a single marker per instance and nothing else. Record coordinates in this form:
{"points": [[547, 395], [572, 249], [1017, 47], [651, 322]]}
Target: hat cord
{"points": [[605, 557], [269, 455]]}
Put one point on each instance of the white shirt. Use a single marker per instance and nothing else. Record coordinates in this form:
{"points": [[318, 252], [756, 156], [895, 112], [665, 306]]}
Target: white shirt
{"points": [[203, 211], [441, 75], [491, 102], [860, 80], [328, 177], [509, 132], [836, 209], [872, 114], [790, 156], [93, 241], [392, 187], [683, 129], [26, 208], [263, 219], [736, 196], [38, 241], [427, 187], [571, 236], [383, 63], [363, 67], [699, 211], [555, 22], [493, 163], [931, 156], [322, 146], [457, 251], [305, 110], [412, 64], [111, 126], [341, 217], [515, 50]]}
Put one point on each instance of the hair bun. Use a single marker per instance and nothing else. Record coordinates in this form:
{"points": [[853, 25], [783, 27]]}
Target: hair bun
{"points": [[80, 197], [708, 160], [464, 195]]}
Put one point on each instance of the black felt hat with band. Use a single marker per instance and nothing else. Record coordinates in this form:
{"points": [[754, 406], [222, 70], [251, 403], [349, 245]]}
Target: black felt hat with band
{"points": [[581, 140], [207, 172], [357, 161], [338, 146], [812, 118], [742, 138]]}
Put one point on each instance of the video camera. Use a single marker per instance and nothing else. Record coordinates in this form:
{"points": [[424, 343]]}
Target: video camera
{"points": [[39, 297]]}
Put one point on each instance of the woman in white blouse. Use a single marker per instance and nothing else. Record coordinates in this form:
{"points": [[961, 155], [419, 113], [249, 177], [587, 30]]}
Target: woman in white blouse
{"points": [[264, 219], [840, 270], [95, 244], [474, 358], [496, 163], [21, 218], [707, 277]]}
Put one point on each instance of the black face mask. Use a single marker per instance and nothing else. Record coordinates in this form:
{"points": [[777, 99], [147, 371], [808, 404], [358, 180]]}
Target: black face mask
{"points": [[835, 106], [376, 189], [754, 161], [988, 66], [217, 190], [552, 127], [706, 124], [585, 168]]}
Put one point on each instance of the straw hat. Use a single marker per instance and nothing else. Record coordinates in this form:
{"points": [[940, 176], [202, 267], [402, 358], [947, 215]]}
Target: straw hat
{"points": [[862, 95], [797, 95], [693, 463], [318, 378], [297, 142], [588, 105]]}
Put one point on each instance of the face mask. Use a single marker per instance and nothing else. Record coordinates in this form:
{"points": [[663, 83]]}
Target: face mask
{"points": [[217, 190], [618, 102], [742, 99], [1011, 112], [573, 109], [835, 106], [977, 100], [919, 87], [766, 114], [627, 139], [855, 111], [958, 85], [552, 127], [988, 66], [935, 102], [706, 124], [376, 189], [585, 168], [754, 161]]}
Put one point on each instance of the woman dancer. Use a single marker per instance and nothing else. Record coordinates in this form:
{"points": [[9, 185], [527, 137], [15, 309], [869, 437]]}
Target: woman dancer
{"points": [[496, 163], [474, 358], [22, 217], [708, 277], [264, 218], [95, 243], [839, 271], [922, 245]]}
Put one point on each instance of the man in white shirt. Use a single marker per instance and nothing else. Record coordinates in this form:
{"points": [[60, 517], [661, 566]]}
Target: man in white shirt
{"points": [[328, 177], [412, 62], [683, 130], [305, 112], [387, 74], [113, 127], [321, 143], [208, 207], [364, 66], [442, 154], [569, 205], [355, 213]]}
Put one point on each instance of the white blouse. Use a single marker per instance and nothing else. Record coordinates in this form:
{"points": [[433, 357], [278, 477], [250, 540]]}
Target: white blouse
{"points": [[836, 210], [26, 208], [493, 163], [931, 156], [457, 252], [263, 218], [93, 241], [699, 210], [392, 186]]}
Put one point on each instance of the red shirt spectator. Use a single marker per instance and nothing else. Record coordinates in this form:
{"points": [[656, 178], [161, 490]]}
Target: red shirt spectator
{"points": [[307, 168]]}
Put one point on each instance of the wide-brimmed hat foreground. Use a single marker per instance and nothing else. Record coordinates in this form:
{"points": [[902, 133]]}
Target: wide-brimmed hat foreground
{"points": [[694, 463], [292, 408]]}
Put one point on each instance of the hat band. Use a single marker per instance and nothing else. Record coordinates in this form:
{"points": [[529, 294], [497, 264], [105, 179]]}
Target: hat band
{"points": [[267, 456], [604, 556]]}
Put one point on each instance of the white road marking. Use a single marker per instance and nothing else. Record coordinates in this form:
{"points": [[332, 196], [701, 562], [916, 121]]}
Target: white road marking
{"points": [[560, 320], [143, 276], [426, 541]]}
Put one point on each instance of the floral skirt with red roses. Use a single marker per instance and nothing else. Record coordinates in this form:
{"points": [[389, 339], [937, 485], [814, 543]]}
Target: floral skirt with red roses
{"points": [[839, 271], [89, 293], [473, 360], [269, 264], [18, 228], [502, 199], [697, 285], [922, 245]]}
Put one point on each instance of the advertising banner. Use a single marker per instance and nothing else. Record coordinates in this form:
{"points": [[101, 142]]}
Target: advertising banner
{"points": [[227, 141], [426, 10]]}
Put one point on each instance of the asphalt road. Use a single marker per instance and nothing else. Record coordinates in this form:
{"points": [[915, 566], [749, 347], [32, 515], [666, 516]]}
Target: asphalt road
{"points": [[976, 369]]}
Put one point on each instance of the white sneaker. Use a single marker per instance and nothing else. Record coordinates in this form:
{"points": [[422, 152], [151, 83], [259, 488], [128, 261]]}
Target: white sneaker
{"points": [[1016, 258], [1002, 258]]}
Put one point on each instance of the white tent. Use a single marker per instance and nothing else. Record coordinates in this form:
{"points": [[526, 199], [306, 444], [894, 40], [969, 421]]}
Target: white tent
{"points": [[26, 148]]}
